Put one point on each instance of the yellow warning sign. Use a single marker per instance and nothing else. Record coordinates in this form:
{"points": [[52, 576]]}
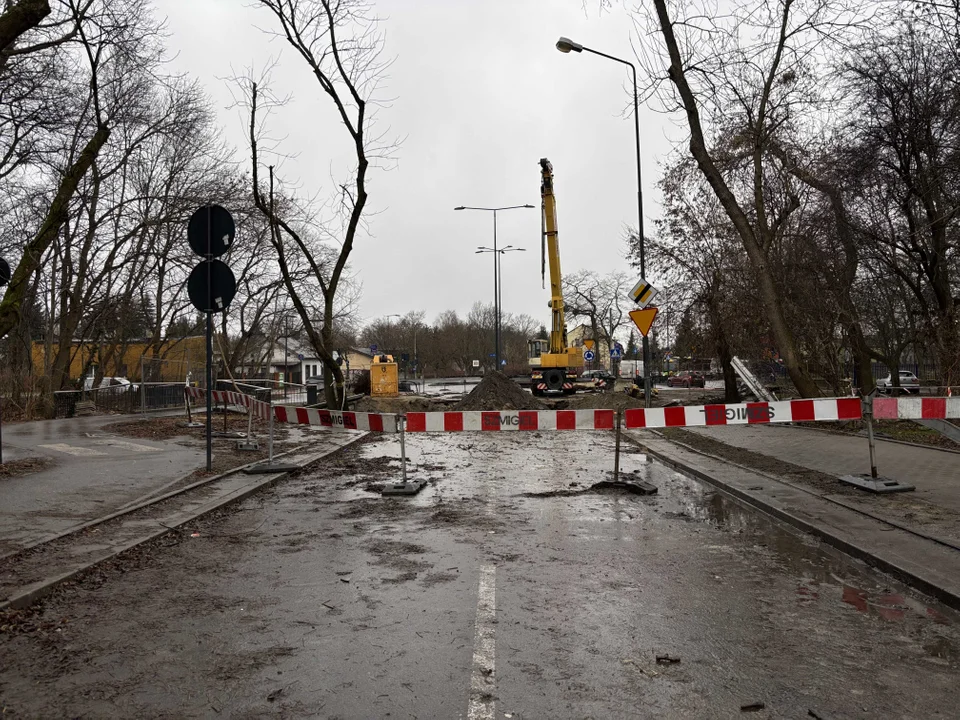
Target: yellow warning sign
{"points": [[588, 344], [643, 319]]}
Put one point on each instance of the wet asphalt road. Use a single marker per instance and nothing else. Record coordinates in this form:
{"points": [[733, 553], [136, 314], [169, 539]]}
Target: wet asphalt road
{"points": [[500, 591]]}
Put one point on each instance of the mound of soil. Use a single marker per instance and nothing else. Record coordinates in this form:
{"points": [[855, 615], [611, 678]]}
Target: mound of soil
{"points": [[603, 401], [395, 405], [498, 392]]}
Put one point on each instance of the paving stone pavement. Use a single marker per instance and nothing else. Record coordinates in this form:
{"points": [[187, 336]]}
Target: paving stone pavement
{"points": [[935, 473]]}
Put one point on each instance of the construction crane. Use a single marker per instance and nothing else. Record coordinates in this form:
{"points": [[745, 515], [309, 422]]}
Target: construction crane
{"points": [[555, 364]]}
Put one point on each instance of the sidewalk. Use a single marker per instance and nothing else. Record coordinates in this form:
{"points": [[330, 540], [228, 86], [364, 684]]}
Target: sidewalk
{"points": [[93, 473], [791, 473], [936, 473], [932, 509]]}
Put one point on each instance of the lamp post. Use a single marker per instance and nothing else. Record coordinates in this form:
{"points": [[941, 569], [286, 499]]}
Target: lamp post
{"points": [[498, 284], [496, 270], [566, 45]]}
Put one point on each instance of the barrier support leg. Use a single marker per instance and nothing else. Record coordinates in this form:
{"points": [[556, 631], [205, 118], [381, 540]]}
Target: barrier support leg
{"points": [[270, 466], [249, 443], [404, 487], [873, 482], [634, 485], [616, 452], [190, 423]]}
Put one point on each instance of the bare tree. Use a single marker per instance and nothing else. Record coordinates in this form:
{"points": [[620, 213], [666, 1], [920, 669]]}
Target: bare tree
{"points": [[601, 300], [341, 45], [752, 73], [116, 39]]}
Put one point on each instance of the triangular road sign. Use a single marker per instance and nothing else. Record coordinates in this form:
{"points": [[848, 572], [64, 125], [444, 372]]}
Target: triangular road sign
{"points": [[589, 344], [643, 319]]}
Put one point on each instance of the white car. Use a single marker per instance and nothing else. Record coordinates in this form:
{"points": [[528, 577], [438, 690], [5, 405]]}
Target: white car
{"points": [[909, 383], [118, 385]]}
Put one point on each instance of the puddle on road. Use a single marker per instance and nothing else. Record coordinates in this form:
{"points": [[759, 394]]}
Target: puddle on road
{"points": [[824, 573], [528, 469]]}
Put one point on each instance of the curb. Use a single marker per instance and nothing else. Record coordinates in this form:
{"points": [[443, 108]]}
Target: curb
{"points": [[44, 587], [947, 596]]}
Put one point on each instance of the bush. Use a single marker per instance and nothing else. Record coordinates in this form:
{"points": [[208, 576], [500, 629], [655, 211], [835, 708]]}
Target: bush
{"points": [[361, 384]]}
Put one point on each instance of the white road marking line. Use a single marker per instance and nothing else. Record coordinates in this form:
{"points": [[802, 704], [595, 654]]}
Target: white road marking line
{"points": [[126, 445], [71, 450], [483, 681]]}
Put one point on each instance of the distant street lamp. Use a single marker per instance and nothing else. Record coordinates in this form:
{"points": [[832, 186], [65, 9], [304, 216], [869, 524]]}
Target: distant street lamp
{"points": [[496, 270], [498, 306], [566, 45]]}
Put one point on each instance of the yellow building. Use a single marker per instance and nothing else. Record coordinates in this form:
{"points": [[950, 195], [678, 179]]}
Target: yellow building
{"points": [[177, 357]]}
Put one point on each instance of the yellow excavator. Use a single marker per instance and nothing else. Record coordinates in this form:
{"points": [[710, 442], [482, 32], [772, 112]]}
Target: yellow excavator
{"points": [[555, 364]]}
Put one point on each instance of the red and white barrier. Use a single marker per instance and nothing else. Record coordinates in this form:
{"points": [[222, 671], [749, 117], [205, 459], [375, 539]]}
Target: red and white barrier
{"points": [[370, 422], [231, 397], [831, 409], [907, 408], [787, 411], [510, 420]]}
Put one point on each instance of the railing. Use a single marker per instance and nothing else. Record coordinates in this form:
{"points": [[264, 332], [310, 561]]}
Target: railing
{"points": [[133, 398]]}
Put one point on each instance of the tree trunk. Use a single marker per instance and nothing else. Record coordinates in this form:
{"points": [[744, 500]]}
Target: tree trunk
{"points": [[57, 214], [18, 19], [769, 293], [730, 392]]}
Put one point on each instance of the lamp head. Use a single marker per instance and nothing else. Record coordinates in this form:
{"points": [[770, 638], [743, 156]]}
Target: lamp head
{"points": [[565, 45]]}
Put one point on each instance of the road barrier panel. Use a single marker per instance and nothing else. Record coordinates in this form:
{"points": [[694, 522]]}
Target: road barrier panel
{"points": [[680, 416]]}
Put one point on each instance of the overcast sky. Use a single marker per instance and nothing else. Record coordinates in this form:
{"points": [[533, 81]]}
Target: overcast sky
{"points": [[479, 95]]}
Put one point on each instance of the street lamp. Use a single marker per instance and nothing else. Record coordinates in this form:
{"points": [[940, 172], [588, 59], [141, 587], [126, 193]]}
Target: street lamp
{"points": [[496, 270], [566, 45], [498, 306]]}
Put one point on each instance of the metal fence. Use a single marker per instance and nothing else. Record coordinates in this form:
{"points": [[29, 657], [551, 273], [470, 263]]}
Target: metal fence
{"points": [[134, 398]]}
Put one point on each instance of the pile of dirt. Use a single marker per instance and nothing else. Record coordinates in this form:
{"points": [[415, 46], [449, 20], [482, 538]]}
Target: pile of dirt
{"points": [[400, 404], [603, 401], [498, 392]]}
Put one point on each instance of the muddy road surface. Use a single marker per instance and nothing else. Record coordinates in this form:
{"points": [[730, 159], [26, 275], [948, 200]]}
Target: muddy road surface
{"points": [[506, 589]]}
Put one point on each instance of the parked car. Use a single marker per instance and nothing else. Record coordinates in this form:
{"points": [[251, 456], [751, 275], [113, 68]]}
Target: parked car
{"points": [[117, 385], [686, 380], [909, 383]]}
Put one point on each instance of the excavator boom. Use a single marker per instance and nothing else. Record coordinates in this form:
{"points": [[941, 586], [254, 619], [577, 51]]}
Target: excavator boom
{"points": [[559, 363]]}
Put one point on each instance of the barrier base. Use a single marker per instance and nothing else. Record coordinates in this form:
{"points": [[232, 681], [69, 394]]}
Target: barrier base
{"points": [[248, 445], [191, 424], [876, 484], [407, 488], [638, 487], [267, 468]]}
